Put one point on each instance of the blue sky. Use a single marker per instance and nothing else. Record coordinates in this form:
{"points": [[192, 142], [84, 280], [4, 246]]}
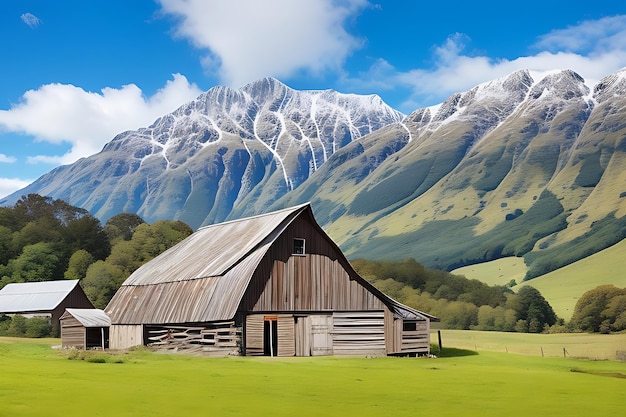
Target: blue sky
{"points": [[77, 72]]}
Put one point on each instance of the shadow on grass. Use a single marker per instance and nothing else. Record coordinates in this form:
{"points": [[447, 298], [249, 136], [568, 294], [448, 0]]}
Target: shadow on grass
{"points": [[453, 352], [609, 374]]}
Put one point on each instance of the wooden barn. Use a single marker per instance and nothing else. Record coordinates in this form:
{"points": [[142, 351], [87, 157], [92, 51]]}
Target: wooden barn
{"points": [[43, 299], [274, 284], [83, 328]]}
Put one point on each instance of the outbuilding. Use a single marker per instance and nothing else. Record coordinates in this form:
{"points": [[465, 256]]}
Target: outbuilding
{"points": [[85, 328], [273, 284], [43, 299]]}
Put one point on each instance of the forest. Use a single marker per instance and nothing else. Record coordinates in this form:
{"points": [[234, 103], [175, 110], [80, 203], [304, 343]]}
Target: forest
{"points": [[42, 239]]}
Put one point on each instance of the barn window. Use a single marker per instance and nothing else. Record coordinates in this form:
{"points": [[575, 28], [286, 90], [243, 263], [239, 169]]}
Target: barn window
{"points": [[298, 247], [409, 326]]}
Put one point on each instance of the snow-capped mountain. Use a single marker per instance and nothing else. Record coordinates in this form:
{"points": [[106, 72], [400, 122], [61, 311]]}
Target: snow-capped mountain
{"points": [[524, 165], [517, 166], [225, 150]]}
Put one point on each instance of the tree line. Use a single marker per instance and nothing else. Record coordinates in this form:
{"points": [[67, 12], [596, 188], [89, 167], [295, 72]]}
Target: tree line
{"points": [[460, 303], [42, 239]]}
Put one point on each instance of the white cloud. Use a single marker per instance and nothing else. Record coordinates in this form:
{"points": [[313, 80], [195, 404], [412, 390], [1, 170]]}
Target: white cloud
{"points": [[593, 49], [249, 39], [592, 36], [10, 185], [31, 20], [62, 113], [7, 159]]}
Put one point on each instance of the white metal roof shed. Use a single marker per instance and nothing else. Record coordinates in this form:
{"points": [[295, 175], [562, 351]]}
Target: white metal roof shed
{"points": [[34, 296], [89, 317]]}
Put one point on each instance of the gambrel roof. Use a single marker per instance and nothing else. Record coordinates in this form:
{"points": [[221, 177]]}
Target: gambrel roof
{"points": [[204, 277], [34, 296]]}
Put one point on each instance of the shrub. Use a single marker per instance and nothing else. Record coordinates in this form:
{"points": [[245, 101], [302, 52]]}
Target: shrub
{"points": [[20, 326], [602, 309]]}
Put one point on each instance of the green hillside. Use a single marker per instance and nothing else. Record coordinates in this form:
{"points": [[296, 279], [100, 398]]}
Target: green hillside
{"points": [[562, 287], [498, 272]]}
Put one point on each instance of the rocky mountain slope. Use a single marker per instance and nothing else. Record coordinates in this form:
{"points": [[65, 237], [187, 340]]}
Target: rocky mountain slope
{"points": [[224, 152], [521, 165], [516, 166]]}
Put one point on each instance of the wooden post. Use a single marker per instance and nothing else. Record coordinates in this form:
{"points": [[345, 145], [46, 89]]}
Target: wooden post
{"points": [[271, 341], [542, 351], [439, 339]]}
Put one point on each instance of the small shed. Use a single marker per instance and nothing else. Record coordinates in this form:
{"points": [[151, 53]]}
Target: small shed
{"points": [[43, 299], [83, 328]]}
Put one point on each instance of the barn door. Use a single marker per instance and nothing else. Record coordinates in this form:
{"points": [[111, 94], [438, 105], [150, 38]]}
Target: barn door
{"points": [[254, 334], [321, 335], [270, 335], [303, 336]]}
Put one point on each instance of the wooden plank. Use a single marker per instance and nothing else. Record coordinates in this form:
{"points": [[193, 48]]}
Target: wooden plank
{"points": [[286, 335], [254, 334], [359, 333], [303, 336], [220, 338]]}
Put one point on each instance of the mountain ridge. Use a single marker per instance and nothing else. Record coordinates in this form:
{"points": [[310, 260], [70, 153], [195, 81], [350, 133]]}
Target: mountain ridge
{"points": [[518, 166]]}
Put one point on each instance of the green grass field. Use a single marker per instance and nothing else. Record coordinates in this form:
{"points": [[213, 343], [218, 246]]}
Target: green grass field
{"points": [[576, 345], [39, 381], [563, 287]]}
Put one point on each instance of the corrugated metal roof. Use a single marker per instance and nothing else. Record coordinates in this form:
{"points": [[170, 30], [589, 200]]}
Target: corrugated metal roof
{"points": [[211, 250], [204, 277], [34, 296], [198, 300], [89, 317]]}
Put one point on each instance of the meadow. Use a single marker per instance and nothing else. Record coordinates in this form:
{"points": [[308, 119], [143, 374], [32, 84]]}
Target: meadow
{"points": [[562, 287], [40, 381], [570, 345]]}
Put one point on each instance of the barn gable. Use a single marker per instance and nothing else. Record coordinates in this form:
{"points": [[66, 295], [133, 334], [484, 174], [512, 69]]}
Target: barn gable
{"points": [[235, 285]]}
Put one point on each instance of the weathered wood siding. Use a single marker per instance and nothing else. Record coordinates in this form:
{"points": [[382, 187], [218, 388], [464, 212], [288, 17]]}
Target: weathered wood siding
{"points": [[406, 342], [72, 333], [337, 333], [286, 335], [303, 336], [254, 334], [319, 280], [124, 336], [358, 333], [208, 339], [418, 340], [391, 339]]}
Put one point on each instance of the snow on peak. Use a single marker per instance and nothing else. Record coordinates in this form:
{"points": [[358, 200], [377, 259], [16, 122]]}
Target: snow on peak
{"points": [[613, 85]]}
